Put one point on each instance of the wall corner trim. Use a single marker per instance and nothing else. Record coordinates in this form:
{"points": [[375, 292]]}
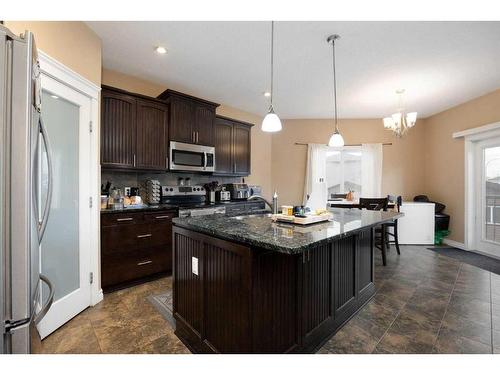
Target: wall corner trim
{"points": [[477, 131]]}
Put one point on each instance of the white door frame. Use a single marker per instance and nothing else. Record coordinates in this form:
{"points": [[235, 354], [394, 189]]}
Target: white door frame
{"points": [[471, 138], [51, 68]]}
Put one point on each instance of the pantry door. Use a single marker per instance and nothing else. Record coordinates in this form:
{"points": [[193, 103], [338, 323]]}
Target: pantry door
{"points": [[65, 250]]}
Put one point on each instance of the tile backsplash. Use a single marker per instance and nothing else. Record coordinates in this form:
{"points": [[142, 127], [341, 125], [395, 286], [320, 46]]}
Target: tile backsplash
{"points": [[120, 179]]}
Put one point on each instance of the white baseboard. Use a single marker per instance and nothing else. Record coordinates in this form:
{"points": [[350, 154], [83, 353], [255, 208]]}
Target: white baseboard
{"points": [[98, 297], [458, 245]]}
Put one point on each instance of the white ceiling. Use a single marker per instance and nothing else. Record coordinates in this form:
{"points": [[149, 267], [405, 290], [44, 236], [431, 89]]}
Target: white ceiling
{"points": [[440, 64]]}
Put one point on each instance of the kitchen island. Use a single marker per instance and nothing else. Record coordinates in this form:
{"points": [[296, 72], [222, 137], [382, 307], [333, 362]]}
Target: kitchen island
{"points": [[246, 284]]}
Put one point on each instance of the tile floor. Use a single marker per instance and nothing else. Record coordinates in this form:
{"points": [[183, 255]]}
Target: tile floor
{"points": [[425, 303]]}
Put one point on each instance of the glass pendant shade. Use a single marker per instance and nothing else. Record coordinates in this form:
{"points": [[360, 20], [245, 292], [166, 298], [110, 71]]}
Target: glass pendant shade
{"points": [[397, 117], [336, 140], [388, 123], [411, 119], [271, 122]]}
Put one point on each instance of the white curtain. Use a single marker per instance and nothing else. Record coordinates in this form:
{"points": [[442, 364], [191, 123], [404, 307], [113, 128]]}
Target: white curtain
{"points": [[371, 170], [315, 187]]}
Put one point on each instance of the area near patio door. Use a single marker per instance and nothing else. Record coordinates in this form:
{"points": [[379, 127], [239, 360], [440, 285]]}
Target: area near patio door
{"points": [[488, 189]]}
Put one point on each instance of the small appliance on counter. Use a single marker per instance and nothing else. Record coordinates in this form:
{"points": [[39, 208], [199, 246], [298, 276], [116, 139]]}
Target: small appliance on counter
{"points": [[210, 188], [238, 191], [223, 195], [255, 190]]}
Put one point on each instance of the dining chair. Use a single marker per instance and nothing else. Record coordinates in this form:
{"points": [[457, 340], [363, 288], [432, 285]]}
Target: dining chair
{"points": [[377, 204], [398, 200]]}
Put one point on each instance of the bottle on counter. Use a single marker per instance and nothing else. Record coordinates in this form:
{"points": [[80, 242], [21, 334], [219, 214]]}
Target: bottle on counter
{"points": [[275, 203]]}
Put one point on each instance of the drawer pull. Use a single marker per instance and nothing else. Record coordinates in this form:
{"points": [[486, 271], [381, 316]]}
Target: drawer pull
{"points": [[144, 263], [144, 235], [163, 217], [125, 219]]}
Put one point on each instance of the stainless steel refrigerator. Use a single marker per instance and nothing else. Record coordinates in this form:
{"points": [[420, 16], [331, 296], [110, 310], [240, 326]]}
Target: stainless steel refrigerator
{"points": [[24, 213]]}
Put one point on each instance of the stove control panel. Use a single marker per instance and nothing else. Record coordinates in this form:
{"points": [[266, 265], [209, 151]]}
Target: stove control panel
{"points": [[168, 191]]}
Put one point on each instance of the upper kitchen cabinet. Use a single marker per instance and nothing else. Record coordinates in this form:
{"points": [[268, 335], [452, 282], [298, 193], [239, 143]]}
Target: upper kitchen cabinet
{"points": [[232, 147], [117, 129], [191, 119], [151, 145], [133, 131]]}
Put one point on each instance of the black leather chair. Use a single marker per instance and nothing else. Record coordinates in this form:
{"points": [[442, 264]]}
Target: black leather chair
{"points": [[377, 204]]}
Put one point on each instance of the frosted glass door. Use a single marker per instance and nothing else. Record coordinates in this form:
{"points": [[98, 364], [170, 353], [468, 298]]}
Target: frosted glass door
{"points": [[65, 250], [60, 245]]}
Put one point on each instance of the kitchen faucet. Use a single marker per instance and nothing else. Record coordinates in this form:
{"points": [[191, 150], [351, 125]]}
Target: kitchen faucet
{"points": [[273, 206]]}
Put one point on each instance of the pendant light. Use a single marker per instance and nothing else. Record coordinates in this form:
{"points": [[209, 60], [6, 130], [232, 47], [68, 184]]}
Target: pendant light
{"points": [[271, 122], [336, 140]]}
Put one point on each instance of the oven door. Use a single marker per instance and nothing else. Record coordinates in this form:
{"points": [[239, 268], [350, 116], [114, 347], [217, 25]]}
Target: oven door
{"points": [[188, 157]]}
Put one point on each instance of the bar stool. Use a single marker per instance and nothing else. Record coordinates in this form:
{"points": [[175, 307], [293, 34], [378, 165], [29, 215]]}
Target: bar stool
{"points": [[377, 204]]}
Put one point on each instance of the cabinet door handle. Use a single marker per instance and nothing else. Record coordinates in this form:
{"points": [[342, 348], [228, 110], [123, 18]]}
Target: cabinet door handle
{"points": [[125, 219], [144, 235], [145, 262], [192, 137], [134, 160], [163, 217], [197, 137]]}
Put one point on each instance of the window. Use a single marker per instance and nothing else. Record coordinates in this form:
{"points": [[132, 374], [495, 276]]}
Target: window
{"points": [[343, 171]]}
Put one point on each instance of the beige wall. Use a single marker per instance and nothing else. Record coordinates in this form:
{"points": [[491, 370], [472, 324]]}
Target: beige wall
{"points": [[444, 156], [402, 167], [261, 142], [73, 44]]}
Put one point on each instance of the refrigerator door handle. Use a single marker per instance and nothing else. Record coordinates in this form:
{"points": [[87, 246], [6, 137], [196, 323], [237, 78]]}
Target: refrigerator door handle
{"points": [[42, 225], [45, 308]]}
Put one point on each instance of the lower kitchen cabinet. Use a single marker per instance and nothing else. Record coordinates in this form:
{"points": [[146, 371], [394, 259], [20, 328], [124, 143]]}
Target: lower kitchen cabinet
{"points": [[245, 299], [134, 246]]}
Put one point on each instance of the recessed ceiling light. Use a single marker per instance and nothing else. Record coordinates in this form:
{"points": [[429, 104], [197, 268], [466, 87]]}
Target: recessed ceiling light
{"points": [[161, 50], [267, 94], [54, 96]]}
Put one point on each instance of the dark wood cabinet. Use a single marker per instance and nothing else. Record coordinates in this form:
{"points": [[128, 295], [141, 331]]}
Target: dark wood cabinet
{"points": [[241, 139], [133, 131], [232, 147], [134, 246], [118, 112], [181, 120], [151, 144], [244, 299], [224, 155], [191, 119], [204, 124]]}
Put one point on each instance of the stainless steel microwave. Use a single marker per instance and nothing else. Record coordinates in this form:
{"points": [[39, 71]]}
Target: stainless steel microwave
{"points": [[190, 157]]}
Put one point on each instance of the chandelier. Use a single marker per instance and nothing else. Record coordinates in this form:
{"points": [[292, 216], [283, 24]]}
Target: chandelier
{"points": [[400, 122]]}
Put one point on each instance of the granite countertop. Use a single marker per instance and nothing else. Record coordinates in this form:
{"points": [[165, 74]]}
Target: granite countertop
{"points": [[147, 207], [160, 206], [260, 231]]}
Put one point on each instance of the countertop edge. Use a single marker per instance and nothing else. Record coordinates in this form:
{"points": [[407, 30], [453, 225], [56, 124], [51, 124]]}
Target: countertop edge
{"points": [[268, 246]]}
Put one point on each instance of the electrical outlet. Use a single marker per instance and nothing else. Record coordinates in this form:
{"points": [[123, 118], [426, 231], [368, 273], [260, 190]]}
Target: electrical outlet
{"points": [[194, 265], [126, 191]]}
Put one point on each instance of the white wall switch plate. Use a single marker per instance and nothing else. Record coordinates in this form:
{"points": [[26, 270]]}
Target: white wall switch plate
{"points": [[194, 265]]}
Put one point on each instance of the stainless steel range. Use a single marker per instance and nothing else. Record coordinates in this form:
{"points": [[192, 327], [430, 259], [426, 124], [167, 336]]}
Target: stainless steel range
{"points": [[190, 199]]}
